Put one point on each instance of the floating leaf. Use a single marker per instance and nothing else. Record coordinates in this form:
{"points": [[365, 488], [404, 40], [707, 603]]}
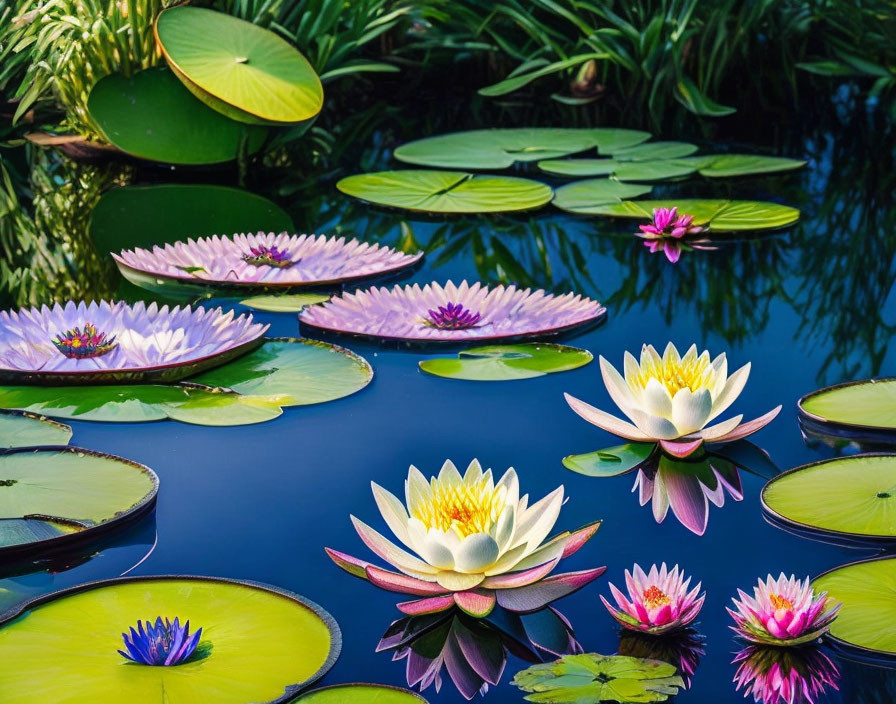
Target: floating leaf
{"points": [[612, 461], [866, 591], [446, 191], [508, 362], [359, 694], [721, 215], [848, 496], [591, 678], [500, 148], [854, 406], [724, 165], [588, 196], [20, 429], [654, 151], [152, 115], [248, 73], [287, 303], [262, 644], [620, 170]]}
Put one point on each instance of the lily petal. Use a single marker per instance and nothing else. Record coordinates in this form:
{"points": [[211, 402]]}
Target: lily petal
{"points": [[605, 421]]}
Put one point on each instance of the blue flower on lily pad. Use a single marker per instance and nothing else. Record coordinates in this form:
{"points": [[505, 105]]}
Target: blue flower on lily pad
{"points": [[164, 643]]}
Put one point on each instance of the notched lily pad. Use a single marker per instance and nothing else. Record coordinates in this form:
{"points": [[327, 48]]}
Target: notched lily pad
{"points": [[589, 196], [508, 362], [21, 429], [612, 461], [720, 215]]}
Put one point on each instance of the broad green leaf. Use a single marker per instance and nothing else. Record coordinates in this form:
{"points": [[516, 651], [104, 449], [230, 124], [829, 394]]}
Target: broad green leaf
{"points": [[152, 115], [725, 165], [359, 694], [446, 191], [654, 151], [508, 362], [19, 429], [858, 405], [286, 303], [721, 215], [619, 170], [612, 461], [688, 94], [590, 196]]}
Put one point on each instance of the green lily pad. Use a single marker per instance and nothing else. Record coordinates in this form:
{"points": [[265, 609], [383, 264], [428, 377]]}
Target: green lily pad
{"points": [[143, 216], [508, 362], [151, 115], [260, 644], [358, 693], [588, 196], [287, 303], [501, 148], [622, 170], [847, 496], [727, 165], [50, 493], [721, 215], [866, 591], [19, 429], [590, 677], [653, 151], [612, 461], [446, 191], [240, 69], [869, 404]]}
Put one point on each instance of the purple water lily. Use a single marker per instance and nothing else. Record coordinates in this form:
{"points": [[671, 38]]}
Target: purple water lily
{"points": [[80, 344], [671, 233], [163, 643], [262, 255], [453, 316], [399, 313]]}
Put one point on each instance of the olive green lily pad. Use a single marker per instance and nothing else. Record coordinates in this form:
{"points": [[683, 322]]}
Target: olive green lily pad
{"points": [[866, 591], [508, 362], [869, 404], [446, 191], [151, 115], [260, 644], [501, 148], [720, 215], [359, 693], [590, 677], [240, 69], [588, 196], [286, 303], [653, 151], [622, 170], [143, 216], [612, 461], [847, 496], [20, 429], [50, 493], [727, 165]]}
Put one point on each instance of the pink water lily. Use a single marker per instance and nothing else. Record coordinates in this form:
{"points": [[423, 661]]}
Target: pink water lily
{"points": [[784, 676], [783, 611], [658, 602], [671, 233]]}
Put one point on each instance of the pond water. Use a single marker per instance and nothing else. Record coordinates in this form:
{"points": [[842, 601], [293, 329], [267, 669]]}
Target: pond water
{"points": [[810, 306]]}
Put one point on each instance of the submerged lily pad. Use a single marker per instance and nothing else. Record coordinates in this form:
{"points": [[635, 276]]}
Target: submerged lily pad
{"points": [[20, 429], [446, 191], [152, 115], [590, 677], [588, 196], [260, 644], [359, 693], [866, 591], [847, 496], [869, 404], [51, 493], [143, 216], [286, 303], [720, 215], [508, 362], [500, 148], [248, 73]]}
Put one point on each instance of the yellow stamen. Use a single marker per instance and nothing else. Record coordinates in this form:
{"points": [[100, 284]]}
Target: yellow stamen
{"points": [[655, 597], [463, 508], [676, 375], [779, 602]]}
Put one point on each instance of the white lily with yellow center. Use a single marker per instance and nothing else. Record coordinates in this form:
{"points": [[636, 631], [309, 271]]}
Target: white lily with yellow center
{"points": [[671, 400]]}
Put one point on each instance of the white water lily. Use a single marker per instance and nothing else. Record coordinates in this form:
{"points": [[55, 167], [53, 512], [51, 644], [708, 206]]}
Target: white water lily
{"points": [[465, 530], [672, 399]]}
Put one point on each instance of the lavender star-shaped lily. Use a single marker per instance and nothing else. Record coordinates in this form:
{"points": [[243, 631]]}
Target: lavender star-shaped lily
{"points": [[453, 316], [163, 643]]}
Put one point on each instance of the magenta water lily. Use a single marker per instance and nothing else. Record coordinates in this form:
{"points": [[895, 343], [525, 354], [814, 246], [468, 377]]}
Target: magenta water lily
{"points": [[445, 313], [784, 611], [164, 643], [89, 342], [784, 676], [671, 233], [474, 543], [262, 255], [659, 601]]}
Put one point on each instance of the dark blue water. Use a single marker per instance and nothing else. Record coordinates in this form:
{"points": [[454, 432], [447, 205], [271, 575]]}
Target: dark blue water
{"points": [[807, 307]]}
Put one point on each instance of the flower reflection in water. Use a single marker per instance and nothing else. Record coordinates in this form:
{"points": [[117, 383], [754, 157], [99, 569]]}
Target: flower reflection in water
{"points": [[785, 675], [682, 648]]}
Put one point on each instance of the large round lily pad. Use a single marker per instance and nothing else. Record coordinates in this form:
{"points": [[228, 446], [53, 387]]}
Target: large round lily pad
{"points": [[500, 148], [259, 644], [359, 693], [588, 196], [240, 69], [143, 216], [152, 115], [21, 429], [446, 191], [720, 215], [508, 362], [869, 404], [847, 496], [55, 495], [866, 591]]}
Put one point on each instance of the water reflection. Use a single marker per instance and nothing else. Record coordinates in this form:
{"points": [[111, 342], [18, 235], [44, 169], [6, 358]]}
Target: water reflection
{"points": [[869, 684], [683, 649], [473, 652], [845, 442], [785, 675]]}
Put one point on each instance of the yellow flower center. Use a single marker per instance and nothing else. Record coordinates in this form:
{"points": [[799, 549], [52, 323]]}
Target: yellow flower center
{"points": [[655, 597], [779, 602], [676, 374], [464, 508]]}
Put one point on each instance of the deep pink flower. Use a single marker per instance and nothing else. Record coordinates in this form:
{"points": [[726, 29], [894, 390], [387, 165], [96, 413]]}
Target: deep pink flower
{"points": [[672, 233], [784, 676]]}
